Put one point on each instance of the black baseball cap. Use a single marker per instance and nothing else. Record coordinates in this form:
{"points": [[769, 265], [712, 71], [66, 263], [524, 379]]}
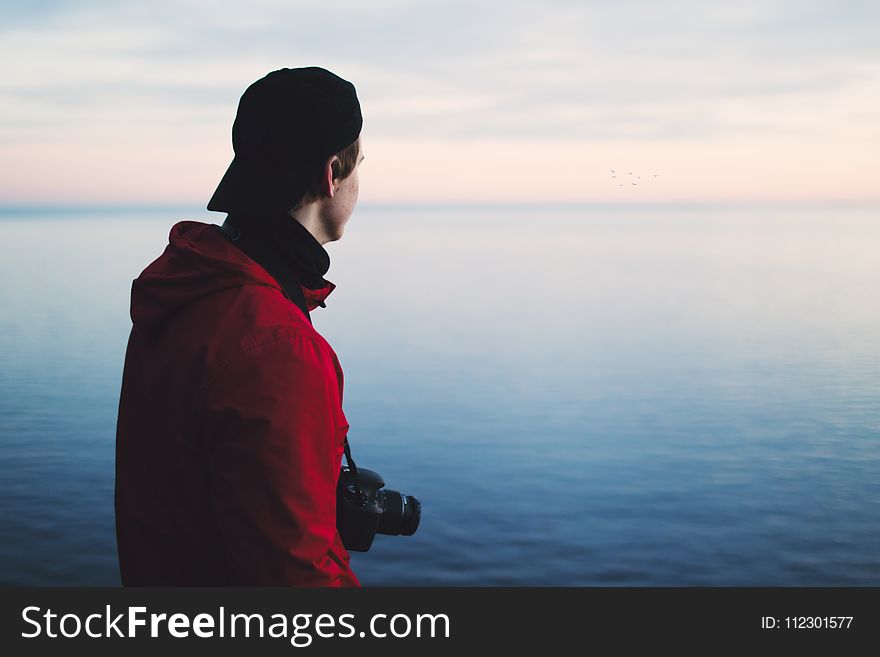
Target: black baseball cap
{"points": [[288, 123]]}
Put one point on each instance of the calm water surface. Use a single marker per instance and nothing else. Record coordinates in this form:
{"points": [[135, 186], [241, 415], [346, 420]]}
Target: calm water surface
{"points": [[589, 396]]}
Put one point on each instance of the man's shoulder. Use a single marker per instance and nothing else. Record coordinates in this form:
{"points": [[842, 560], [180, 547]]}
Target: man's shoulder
{"points": [[259, 320], [284, 363]]}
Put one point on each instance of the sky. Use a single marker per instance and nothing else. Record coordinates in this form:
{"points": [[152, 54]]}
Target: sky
{"points": [[464, 102]]}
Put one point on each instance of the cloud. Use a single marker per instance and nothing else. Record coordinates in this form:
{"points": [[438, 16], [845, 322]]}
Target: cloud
{"points": [[135, 73]]}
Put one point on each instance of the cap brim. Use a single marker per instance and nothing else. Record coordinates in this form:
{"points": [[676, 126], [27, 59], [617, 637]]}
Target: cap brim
{"points": [[244, 190]]}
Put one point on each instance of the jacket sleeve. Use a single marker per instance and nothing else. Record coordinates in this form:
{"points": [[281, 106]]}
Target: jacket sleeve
{"points": [[275, 443]]}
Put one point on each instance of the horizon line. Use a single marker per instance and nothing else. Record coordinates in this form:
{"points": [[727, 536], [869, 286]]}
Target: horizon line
{"points": [[7, 208]]}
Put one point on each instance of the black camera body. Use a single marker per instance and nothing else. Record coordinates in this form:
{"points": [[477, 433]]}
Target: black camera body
{"points": [[364, 508]]}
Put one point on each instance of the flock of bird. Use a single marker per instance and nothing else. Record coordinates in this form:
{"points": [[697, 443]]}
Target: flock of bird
{"points": [[629, 173]]}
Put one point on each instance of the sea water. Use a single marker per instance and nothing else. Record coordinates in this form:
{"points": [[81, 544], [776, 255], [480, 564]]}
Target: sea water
{"points": [[583, 395]]}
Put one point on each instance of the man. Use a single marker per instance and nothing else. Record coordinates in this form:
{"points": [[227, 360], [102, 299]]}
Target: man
{"points": [[231, 430]]}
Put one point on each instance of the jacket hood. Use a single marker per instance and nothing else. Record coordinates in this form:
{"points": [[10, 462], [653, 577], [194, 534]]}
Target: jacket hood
{"points": [[197, 262]]}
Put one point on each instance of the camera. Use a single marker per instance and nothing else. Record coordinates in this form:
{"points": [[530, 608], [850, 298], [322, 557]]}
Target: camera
{"points": [[364, 508]]}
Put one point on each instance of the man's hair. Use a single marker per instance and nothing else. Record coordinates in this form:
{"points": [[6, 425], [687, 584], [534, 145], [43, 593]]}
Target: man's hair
{"points": [[348, 158]]}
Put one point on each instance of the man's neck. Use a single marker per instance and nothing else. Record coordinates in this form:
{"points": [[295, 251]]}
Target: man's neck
{"points": [[309, 216]]}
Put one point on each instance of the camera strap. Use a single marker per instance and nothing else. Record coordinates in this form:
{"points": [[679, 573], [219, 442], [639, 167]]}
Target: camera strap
{"points": [[354, 471]]}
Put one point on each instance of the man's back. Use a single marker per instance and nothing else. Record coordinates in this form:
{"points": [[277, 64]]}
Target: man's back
{"points": [[231, 429]]}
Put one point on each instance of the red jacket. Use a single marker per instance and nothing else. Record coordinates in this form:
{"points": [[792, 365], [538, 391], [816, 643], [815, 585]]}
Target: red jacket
{"points": [[230, 430]]}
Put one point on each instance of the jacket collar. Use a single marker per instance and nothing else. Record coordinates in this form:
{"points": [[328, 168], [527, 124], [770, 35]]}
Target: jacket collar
{"points": [[288, 252], [315, 298]]}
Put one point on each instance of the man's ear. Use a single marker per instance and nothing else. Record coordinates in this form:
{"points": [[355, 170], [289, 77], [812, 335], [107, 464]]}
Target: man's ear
{"points": [[331, 173]]}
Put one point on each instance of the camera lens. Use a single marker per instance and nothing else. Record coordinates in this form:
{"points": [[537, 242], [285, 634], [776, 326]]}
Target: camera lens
{"points": [[402, 514]]}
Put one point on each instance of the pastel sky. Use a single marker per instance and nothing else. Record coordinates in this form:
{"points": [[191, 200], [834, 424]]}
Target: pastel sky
{"points": [[464, 101]]}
